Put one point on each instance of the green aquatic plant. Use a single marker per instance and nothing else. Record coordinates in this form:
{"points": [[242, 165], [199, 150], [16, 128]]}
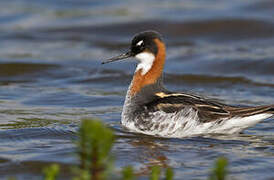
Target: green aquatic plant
{"points": [[128, 173], [31, 123], [93, 148], [169, 174], [219, 171], [155, 173], [51, 172]]}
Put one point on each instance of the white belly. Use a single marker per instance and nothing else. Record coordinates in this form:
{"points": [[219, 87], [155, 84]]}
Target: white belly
{"points": [[186, 123]]}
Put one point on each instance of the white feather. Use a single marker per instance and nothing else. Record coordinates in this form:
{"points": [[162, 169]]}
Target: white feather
{"points": [[186, 123], [146, 60], [140, 43]]}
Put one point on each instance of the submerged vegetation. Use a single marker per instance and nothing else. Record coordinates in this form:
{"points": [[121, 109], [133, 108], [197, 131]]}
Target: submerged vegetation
{"points": [[94, 144]]}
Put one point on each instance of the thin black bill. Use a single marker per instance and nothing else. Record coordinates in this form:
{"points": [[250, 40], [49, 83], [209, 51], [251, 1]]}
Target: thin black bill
{"points": [[117, 58]]}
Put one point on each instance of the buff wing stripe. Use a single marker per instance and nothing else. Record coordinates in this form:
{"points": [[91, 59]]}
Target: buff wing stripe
{"points": [[208, 110]]}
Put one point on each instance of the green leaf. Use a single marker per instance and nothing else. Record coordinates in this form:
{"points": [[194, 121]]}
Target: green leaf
{"points": [[94, 146], [128, 173], [220, 170], [169, 174], [155, 173], [51, 172]]}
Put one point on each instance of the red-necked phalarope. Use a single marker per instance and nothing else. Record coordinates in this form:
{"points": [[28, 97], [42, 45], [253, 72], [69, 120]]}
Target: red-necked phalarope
{"points": [[151, 109]]}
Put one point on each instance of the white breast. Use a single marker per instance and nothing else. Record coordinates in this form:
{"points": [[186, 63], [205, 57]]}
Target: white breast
{"points": [[146, 60]]}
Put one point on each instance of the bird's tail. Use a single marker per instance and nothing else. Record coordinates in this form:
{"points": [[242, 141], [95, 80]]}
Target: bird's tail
{"points": [[249, 111], [271, 110], [245, 117]]}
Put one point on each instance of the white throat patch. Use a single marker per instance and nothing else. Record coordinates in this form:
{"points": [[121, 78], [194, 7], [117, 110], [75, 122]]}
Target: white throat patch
{"points": [[146, 60]]}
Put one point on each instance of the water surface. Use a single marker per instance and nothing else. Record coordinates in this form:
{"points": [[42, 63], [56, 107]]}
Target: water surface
{"points": [[51, 78]]}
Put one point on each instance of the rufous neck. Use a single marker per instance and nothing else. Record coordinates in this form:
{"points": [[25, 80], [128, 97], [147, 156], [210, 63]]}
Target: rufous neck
{"points": [[140, 80]]}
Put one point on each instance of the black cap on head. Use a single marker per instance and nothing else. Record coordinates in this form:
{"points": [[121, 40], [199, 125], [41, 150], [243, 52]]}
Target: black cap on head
{"points": [[141, 42], [144, 41]]}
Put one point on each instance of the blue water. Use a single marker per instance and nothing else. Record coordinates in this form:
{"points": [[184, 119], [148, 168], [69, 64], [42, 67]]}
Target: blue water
{"points": [[51, 78]]}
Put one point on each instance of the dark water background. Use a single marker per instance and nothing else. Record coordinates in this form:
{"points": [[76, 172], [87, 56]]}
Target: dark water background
{"points": [[51, 77]]}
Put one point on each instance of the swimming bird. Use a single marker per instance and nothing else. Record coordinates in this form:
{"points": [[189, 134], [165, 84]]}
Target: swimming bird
{"points": [[151, 109]]}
